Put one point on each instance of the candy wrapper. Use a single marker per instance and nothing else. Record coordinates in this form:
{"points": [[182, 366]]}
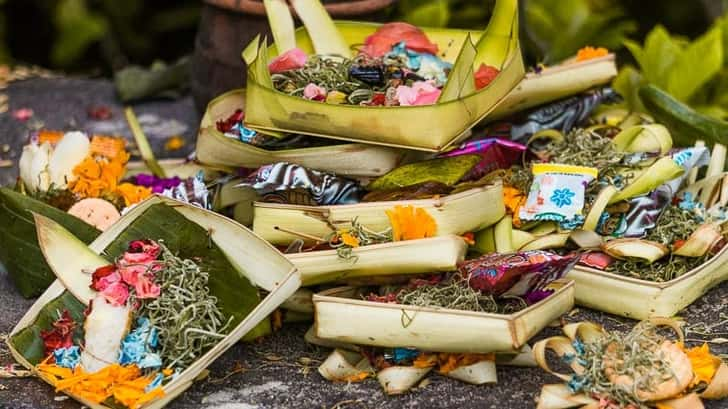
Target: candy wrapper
{"points": [[525, 274], [644, 210], [557, 192], [192, 190], [325, 188], [562, 115], [496, 153]]}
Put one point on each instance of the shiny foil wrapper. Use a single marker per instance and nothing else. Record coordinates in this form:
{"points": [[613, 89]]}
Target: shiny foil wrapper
{"points": [[324, 188], [191, 190], [517, 274], [644, 210], [497, 153], [562, 115]]}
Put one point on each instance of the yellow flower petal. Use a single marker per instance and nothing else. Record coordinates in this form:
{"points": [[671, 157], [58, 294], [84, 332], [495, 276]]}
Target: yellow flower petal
{"points": [[349, 240], [704, 364], [410, 223]]}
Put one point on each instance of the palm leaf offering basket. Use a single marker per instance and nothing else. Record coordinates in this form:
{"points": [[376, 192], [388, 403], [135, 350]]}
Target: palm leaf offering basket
{"points": [[401, 257], [353, 159], [458, 213], [343, 316], [23, 258], [424, 127], [642, 299], [237, 260]]}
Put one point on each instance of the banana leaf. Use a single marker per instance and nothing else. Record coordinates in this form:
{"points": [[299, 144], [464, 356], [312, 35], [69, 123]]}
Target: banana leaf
{"points": [[354, 159], [425, 127], [236, 259], [19, 252]]}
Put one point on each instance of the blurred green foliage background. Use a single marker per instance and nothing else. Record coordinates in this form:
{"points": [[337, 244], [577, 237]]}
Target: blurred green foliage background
{"points": [[101, 36]]}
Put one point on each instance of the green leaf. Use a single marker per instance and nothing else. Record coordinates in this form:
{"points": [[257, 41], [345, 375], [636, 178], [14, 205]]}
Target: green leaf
{"points": [[19, 251], [627, 83], [434, 13], [561, 28], [461, 81], [660, 53], [78, 28], [697, 64], [236, 295], [28, 341]]}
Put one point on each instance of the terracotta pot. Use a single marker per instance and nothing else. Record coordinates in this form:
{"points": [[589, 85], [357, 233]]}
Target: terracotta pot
{"points": [[227, 26]]}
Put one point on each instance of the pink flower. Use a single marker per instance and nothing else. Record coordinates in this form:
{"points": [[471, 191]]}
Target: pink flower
{"points": [[116, 293], [103, 276], [290, 60], [149, 247], [23, 114], [130, 273], [314, 92], [420, 93], [145, 287]]}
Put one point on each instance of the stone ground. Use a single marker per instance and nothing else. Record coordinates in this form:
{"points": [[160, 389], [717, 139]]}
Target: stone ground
{"points": [[267, 374]]}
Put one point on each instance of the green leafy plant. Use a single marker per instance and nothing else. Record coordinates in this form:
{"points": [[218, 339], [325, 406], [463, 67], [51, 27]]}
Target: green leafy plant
{"points": [[557, 29], [693, 72], [445, 13]]}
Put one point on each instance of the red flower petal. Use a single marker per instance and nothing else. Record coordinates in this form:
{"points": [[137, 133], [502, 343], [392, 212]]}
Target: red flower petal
{"points": [[484, 75], [381, 42]]}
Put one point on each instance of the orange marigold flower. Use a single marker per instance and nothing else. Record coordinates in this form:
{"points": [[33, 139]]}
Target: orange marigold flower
{"points": [[425, 360], [52, 137], [132, 193], [704, 364], [97, 175], [513, 199], [410, 223], [125, 383], [356, 377], [588, 53], [107, 146], [450, 362], [348, 239]]}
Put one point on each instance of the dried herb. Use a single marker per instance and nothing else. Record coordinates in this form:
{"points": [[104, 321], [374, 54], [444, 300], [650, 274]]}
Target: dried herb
{"points": [[635, 354], [584, 147], [186, 315], [456, 293], [662, 270], [344, 241], [672, 225], [329, 72]]}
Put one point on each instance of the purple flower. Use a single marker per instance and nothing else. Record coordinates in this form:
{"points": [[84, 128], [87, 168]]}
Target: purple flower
{"points": [[158, 185]]}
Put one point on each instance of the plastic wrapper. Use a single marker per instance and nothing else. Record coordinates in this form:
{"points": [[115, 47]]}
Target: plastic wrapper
{"points": [[192, 190], [325, 188], [644, 210], [524, 274], [557, 192], [563, 115], [496, 153]]}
